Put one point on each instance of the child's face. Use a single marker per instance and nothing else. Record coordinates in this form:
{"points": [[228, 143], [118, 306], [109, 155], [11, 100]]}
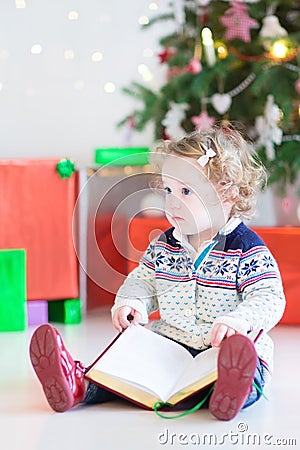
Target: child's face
{"points": [[192, 203]]}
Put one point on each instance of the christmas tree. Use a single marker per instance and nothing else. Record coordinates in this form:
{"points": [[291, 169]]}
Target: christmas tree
{"points": [[236, 61]]}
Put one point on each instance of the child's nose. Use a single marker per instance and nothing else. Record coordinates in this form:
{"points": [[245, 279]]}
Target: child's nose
{"points": [[174, 201]]}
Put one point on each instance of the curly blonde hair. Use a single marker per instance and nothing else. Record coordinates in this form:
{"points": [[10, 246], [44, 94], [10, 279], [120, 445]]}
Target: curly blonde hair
{"points": [[235, 170]]}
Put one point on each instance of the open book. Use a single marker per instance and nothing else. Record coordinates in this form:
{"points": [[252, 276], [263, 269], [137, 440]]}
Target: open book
{"points": [[146, 368]]}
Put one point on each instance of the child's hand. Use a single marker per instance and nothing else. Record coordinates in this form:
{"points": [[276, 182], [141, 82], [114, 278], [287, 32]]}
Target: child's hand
{"points": [[120, 317], [219, 332]]}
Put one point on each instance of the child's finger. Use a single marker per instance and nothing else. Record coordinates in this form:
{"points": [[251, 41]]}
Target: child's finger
{"points": [[120, 321], [230, 332], [136, 318], [117, 324], [124, 322], [126, 316], [218, 334]]}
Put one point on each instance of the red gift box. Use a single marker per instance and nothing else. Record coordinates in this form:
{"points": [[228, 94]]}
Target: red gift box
{"points": [[283, 242], [36, 212], [106, 258]]}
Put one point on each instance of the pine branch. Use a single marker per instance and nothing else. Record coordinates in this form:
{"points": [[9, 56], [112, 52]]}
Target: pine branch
{"points": [[243, 58], [160, 18]]}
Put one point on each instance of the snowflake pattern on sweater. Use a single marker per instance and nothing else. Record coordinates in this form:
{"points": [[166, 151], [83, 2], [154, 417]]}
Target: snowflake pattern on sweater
{"points": [[236, 282]]}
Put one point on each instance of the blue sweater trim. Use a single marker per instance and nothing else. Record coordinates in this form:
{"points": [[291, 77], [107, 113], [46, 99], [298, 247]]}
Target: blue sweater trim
{"points": [[241, 238]]}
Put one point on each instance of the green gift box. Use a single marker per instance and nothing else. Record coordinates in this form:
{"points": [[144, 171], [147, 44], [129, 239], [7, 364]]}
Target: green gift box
{"points": [[65, 311], [122, 156], [13, 312]]}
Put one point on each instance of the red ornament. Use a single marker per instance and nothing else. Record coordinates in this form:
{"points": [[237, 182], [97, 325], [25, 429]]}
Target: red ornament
{"points": [[194, 66], [297, 86], [165, 55], [165, 135], [173, 72], [130, 122], [238, 23]]}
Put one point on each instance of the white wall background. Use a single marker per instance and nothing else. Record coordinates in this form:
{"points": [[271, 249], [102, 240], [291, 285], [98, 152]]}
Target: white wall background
{"points": [[51, 106]]}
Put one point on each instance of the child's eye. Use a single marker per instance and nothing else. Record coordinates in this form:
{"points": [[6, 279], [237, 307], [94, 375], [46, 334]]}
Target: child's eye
{"points": [[168, 190], [186, 191]]}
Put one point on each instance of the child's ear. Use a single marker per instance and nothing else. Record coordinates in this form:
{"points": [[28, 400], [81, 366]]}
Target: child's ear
{"points": [[232, 193]]}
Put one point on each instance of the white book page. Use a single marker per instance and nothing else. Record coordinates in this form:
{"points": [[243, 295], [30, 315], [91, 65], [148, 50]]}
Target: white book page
{"points": [[202, 365], [147, 359]]}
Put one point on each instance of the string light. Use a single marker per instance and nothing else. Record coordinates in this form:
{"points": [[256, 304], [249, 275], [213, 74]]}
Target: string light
{"points": [[279, 49], [4, 54], [148, 52], [20, 4], [208, 46], [69, 54], [36, 49], [144, 70], [109, 87], [291, 54], [97, 56], [153, 6], [221, 50], [143, 20], [73, 15]]}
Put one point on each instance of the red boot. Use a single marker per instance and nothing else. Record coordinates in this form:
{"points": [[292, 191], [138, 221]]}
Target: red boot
{"points": [[62, 378], [236, 367]]}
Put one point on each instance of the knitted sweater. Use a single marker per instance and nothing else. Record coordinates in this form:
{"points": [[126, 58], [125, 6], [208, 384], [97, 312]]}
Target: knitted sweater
{"points": [[233, 280]]}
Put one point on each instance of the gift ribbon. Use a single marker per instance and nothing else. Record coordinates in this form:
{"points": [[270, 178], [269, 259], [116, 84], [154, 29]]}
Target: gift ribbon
{"points": [[65, 168]]}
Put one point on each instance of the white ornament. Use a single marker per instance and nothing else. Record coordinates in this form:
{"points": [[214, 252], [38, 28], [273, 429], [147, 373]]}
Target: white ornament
{"points": [[173, 119], [221, 102], [204, 2], [271, 29], [269, 133]]}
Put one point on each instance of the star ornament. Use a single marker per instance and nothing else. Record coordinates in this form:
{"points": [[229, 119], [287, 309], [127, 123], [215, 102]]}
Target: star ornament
{"points": [[165, 55], [203, 121], [238, 23]]}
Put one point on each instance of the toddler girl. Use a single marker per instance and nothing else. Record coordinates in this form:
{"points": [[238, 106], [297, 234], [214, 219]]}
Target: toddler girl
{"points": [[211, 278]]}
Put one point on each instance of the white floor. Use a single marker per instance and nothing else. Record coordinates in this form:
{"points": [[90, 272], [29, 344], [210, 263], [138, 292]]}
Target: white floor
{"points": [[27, 423]]}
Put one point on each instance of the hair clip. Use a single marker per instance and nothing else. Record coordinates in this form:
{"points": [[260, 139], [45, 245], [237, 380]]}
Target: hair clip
{"points": [[209, 153]]}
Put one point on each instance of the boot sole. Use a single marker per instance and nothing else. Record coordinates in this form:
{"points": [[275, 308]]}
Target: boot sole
{"points": [[45, 358], [236, 367]]}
